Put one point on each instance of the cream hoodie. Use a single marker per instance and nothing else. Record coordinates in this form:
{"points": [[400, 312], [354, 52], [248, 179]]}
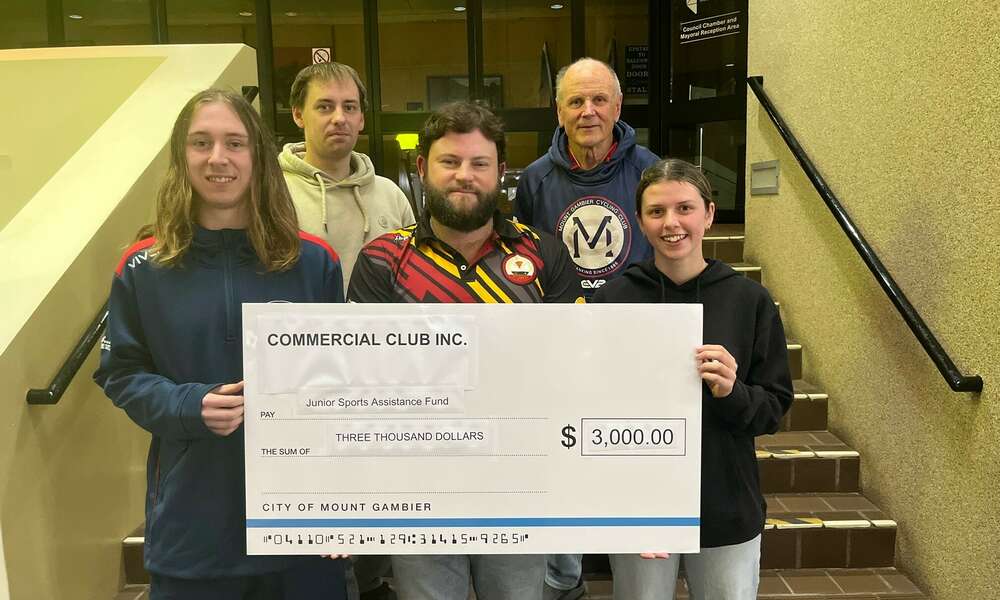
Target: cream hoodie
{"points": [[348, 213]]}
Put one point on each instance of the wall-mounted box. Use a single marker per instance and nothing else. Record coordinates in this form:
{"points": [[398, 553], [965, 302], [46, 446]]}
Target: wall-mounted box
{"points": [[764, 178]]}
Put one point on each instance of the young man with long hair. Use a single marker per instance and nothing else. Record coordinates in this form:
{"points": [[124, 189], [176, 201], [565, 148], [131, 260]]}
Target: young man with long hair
{"points": [[225, 233]]}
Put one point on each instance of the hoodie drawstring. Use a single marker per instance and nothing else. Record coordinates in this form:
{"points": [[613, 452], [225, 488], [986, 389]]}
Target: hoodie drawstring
{"points": [[364, 215], [357, 200], [322, 198]]}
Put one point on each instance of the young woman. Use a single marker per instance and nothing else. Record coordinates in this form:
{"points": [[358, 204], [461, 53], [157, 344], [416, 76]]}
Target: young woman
{"points": [[225, 233], [747, 387]]}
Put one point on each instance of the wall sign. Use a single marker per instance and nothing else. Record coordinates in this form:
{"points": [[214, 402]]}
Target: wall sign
{"points": [[636, 70], [321, 55], [710, 28]]}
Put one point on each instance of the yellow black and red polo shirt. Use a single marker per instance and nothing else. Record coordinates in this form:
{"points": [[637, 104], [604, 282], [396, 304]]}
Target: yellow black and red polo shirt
{"points": [[516, 264]]}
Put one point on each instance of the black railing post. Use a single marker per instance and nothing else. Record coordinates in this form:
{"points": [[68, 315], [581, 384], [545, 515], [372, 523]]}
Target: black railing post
{"points": [[54, 392], [945, 365]]}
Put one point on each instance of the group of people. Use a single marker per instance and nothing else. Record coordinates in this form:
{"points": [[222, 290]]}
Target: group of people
{"points": [[599, 217]]}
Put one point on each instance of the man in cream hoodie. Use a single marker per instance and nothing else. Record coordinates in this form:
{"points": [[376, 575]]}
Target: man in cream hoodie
{"points": [[336, 192]]}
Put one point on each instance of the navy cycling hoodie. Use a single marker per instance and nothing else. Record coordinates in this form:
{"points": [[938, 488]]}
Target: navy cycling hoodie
{"points": [[739, 315], [173, 334], [592, 211]]}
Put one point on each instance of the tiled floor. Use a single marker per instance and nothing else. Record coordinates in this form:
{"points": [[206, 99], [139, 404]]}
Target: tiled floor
{"points": [[814, 584]]}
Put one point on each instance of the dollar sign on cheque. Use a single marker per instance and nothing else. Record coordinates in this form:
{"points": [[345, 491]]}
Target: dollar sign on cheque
{"points": [[569, 440]]}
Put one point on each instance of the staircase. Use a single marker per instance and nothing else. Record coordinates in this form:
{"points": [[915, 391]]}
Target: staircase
{"points": [[823, 539]]}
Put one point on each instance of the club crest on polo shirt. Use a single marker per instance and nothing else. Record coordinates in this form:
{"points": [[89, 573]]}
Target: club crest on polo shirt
{"points": [[519, 269], [597, 234]]}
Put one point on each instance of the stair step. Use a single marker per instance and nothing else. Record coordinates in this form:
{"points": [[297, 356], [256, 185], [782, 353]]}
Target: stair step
{"points": [[809, 409], [133, 592], [811, 584], [826, 531], [132, 556], [747, 270], [725, 243], [794, 359], [834, 584], [814, 531], [806, 461]]}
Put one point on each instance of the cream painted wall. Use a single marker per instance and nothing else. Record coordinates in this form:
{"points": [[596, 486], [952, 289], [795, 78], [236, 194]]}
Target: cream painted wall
{"points": [[897, 103], [38, 137], [72, 476]]}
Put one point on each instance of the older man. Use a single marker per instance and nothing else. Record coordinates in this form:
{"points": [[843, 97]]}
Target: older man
{"points": [[583, 190], [463, 250]]}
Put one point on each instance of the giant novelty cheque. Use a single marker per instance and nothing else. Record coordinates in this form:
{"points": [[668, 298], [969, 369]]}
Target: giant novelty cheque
{"points": [[472, 429]]}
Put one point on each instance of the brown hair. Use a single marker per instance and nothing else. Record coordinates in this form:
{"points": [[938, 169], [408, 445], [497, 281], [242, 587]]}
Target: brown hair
{"points": [[325, 72], [462, 117], [673, 169], [272, 227]]}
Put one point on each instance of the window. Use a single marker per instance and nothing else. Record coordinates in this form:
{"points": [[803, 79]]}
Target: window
{"points": [[420, 39], [324, 32], [525, 45]]}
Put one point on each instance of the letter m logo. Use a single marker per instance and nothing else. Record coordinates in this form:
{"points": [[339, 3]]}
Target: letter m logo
{"points": [[591, 241]]}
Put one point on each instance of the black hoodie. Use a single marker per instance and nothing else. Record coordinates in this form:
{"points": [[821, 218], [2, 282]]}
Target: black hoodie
{"points": [[739, 315]]}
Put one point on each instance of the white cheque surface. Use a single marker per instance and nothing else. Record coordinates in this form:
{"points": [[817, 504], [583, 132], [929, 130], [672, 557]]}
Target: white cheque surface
{"points": [[472, 429]]}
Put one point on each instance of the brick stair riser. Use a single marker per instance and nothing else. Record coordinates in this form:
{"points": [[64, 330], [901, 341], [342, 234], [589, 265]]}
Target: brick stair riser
{"points": [[729, 251], [828, 548], [806, 415], [795, 360], [804, 475]]}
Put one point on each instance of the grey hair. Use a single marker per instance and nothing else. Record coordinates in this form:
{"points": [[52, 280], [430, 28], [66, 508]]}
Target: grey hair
{"points": [[586, 59]]}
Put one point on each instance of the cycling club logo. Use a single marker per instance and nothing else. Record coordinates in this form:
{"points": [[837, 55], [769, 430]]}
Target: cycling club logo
{"points": [[597, 234]]}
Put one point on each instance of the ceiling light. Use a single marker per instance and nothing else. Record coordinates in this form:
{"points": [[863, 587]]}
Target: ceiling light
{"points": [[291, 14], [730, 64], [459, 9], [555, 6], [76, 17], [246, 13]]}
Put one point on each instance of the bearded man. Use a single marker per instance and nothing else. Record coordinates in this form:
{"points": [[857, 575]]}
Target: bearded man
{"points": [[463, 250]]}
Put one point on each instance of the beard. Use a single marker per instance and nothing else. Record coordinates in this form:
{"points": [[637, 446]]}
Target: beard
{"points": [[445, 212]]}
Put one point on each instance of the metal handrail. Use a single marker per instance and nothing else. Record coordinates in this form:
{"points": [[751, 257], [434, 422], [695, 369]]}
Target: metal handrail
{"points": [[956, 380], [61, 381], [69, 369]]}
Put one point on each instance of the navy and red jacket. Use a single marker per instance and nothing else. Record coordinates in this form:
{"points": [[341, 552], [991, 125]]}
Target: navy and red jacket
{"points": [[174, 334]]}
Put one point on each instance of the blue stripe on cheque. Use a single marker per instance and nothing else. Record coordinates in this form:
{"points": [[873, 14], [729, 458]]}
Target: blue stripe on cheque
{"points": [[485, 522]]}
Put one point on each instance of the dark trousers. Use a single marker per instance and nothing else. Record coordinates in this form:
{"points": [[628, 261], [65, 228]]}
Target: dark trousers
{"points": [[309, 578]]}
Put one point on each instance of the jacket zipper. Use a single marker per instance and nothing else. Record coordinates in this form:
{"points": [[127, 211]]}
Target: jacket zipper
{"points": [[229, 250]]}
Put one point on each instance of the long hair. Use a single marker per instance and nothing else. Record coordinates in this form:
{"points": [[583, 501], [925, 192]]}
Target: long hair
{"points": [[272, 225]]}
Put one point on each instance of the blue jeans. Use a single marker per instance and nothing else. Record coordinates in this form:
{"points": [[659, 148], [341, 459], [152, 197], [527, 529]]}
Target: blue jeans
{"points": [[493, 576], [723, 573], [563, 571]]}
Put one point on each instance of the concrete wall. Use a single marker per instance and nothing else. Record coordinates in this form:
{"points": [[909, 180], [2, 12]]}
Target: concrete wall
{"points": [[897, 103], [39, 137], [72, 476]]}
